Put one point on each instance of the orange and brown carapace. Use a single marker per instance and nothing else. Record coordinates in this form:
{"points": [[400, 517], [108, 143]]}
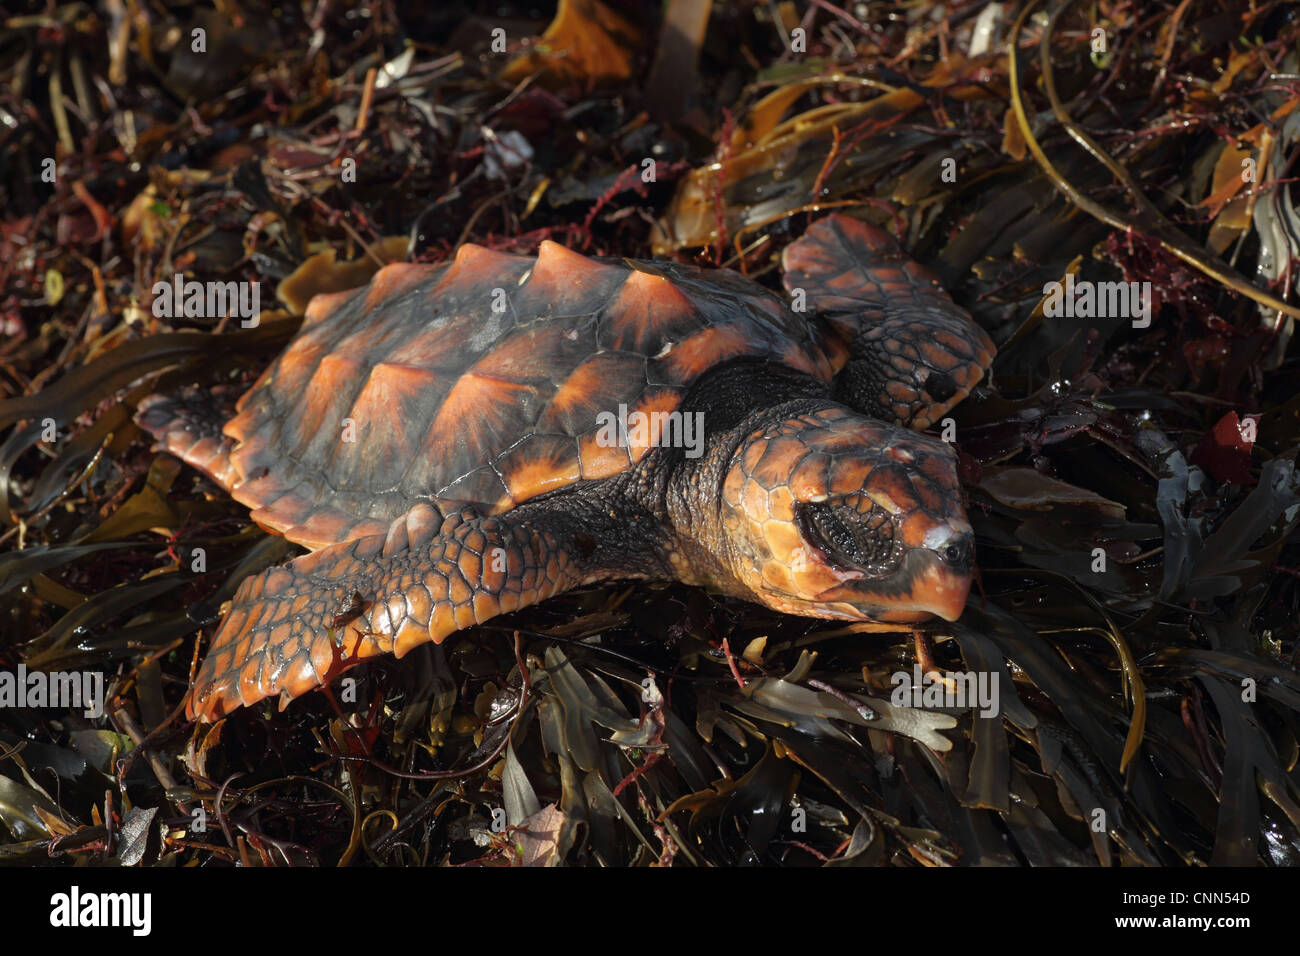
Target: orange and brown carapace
{"points": [[441, 441]]}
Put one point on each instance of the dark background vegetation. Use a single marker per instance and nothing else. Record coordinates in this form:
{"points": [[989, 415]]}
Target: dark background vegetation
{"points": [[1122, 688]]}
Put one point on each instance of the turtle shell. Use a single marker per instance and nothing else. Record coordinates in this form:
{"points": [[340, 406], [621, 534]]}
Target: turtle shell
{"points": [[481, 381]]}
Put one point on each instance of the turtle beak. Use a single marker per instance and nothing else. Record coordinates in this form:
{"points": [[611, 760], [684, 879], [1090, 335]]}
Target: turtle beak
{"points": [[934, 581], [942, 590], [942, 585], [931, 583]]}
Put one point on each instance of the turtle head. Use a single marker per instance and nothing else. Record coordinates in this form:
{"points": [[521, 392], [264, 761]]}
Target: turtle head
{"points": [[831, 514]]}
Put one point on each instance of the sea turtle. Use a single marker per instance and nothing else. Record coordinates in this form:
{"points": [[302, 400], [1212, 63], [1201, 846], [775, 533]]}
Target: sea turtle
{"points": [[458, 441]]}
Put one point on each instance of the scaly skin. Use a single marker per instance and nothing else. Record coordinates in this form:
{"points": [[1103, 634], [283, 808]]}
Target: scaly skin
{"points": [[890, 496], [913, 353], [296, 627], [812, 496]]}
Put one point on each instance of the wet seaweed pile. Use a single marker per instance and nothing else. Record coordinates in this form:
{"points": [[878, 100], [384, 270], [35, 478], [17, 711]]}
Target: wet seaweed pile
{"points": [[1130, 475]]}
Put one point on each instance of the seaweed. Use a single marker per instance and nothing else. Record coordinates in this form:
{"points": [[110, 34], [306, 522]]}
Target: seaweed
{"points": [[1131, 477]]}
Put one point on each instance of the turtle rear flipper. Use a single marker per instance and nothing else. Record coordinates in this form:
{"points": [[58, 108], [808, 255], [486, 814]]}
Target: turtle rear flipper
{"points": [[913, 352], [296, 627], [188, 425]]}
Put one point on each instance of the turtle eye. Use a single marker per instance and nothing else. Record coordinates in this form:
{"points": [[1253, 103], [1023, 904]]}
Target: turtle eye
{"points": [[940, 386], [849, 538], [958, 553]]}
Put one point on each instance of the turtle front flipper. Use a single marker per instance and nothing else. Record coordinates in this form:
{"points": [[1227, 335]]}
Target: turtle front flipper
{"points": [[913, 352], [296, 627]]}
